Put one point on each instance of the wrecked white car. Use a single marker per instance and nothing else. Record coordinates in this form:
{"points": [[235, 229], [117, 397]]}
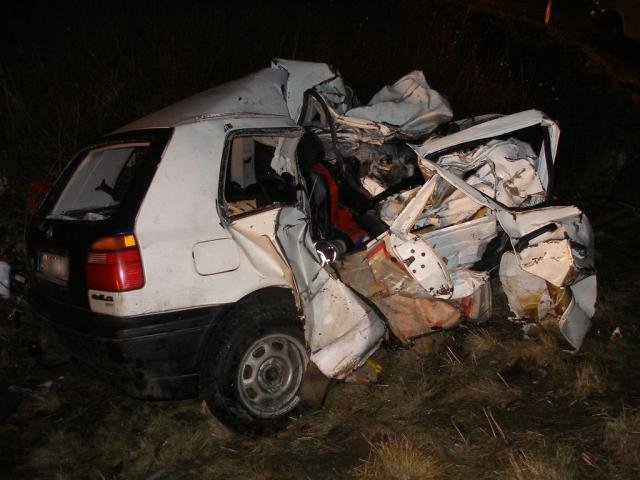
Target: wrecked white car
{"points": [[225, 244]]}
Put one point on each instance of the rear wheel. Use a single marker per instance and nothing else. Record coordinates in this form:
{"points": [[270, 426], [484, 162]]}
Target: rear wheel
{"points": [[269, 375], [252, 371]]}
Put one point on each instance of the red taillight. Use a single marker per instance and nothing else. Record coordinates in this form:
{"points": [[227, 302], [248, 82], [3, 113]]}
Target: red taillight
{"points": [[114, 265]]}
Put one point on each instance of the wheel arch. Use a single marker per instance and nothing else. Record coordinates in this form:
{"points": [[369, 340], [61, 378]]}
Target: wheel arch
{"points": [[280, 297]]}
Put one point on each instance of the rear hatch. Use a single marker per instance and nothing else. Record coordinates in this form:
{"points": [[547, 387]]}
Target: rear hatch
{"points": [[98, 194]]}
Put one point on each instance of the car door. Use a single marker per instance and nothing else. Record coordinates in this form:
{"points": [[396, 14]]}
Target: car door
{"points": [[273, 236]]}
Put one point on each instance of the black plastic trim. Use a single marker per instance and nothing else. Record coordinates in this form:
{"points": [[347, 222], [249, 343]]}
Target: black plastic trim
{"points": [[525, 239]]}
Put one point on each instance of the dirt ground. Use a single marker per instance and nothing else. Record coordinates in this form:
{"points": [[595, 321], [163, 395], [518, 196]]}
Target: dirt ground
{"points": [[476, 402]]}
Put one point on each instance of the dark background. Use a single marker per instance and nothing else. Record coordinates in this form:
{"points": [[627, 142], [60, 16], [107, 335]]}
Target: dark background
{"points": [[72, 71]]}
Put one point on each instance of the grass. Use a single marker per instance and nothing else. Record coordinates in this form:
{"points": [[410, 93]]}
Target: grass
{"points": [[590, 380], [506, 408], [400, 459], [58, 450], [623, 438], [523, 466], [480, 344]]}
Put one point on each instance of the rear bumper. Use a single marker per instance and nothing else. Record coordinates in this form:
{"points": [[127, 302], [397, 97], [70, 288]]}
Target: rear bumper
{"points": [[150, 356]]}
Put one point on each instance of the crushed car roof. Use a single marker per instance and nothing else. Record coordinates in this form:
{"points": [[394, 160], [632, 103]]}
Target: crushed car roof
{"points": [[277, 90], [409, 106], [260, 93]]}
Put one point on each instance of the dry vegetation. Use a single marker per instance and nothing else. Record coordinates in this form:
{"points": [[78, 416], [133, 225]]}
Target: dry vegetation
{"points": [[472, 403], [397, 457]]}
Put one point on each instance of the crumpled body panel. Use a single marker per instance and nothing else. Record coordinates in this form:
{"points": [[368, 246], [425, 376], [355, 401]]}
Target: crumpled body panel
{"points": [[552, 253], [472, 198], [410, 104], [341, 330]]}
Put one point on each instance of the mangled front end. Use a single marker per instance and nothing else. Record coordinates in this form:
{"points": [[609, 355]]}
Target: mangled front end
{"points": [[480, 211], [548, 271], [551, 264], [460, 208]]}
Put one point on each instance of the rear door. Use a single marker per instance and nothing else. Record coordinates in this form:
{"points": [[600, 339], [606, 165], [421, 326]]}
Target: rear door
{"points": [[269, 220], [342, 330]]}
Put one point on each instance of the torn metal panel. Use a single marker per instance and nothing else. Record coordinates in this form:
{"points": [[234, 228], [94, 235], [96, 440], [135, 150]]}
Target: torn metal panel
{"points": [[553, 247], [554, 243], [466, 282], [533, 298], [409, 104], [304, 75], [526, 293], [478, 306], [430, 268], [354, 131], [500, 126], [584, 292], [576, 320], [406, 220], [463, 244], [341, 330], [409, 310], [455, 181], [411, 317], [390, 272], [453, 210], [507, 169], [423, 264], [532, 227], [551, 260], [501, 170], [408, 110], [574, 324]]}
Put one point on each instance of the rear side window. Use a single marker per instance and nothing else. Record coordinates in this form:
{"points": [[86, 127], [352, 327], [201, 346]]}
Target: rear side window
{"points": [[260, 173], [100, 182]]}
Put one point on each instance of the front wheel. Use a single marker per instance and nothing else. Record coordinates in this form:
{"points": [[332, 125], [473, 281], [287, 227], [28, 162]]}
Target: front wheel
{"points": [[252, 371]]}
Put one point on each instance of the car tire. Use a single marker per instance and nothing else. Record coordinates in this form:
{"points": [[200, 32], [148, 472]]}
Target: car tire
{"points": [[252, 370]]}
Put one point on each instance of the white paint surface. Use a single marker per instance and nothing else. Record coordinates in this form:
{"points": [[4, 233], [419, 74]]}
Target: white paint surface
{"points": [[216, 256]]}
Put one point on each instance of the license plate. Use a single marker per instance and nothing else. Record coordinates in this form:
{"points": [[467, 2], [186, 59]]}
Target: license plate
{"points": [[55, 267]]}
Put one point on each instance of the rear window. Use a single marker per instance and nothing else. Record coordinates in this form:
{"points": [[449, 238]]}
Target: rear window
{"points": [[100, 182]]}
